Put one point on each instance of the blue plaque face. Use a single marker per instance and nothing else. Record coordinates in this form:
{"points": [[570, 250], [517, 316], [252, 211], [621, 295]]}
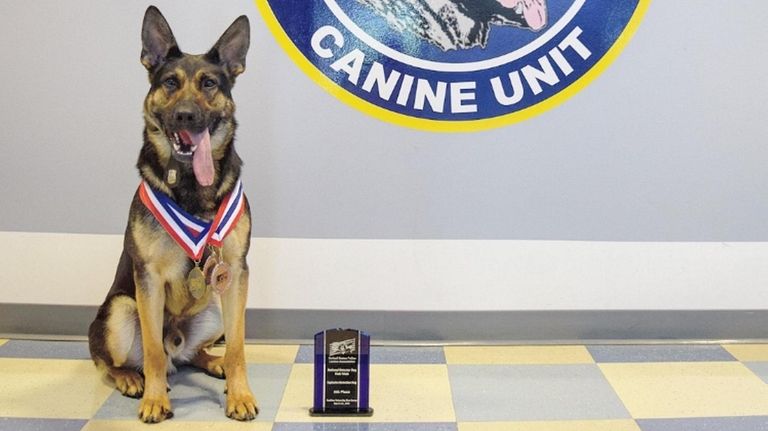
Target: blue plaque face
{"points": [[342, 373]]}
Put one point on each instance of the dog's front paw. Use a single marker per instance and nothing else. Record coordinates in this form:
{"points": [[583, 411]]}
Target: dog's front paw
{"points": [[154, 410], [242, 406]]}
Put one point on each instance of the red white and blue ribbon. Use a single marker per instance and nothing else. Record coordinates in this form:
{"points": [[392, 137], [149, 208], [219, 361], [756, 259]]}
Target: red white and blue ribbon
{"points": [[191, 233]]}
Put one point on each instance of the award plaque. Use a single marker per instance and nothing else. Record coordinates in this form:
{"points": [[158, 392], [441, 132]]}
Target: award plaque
{"points": [[342, 373]]}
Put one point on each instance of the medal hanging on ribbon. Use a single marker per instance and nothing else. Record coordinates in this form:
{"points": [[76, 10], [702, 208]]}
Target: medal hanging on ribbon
{"points": [[196, 282], [193, 234], [217, 271]]}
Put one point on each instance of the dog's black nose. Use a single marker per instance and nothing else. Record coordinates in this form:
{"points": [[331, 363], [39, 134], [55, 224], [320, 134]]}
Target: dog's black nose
{"points": [[177, 341], [187, 116]]}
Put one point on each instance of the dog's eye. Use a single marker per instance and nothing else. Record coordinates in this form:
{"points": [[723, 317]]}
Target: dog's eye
{"points": [[209, 83], [171, 83]]}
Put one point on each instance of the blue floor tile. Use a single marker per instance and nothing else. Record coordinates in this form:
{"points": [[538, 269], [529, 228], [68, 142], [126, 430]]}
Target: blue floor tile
{"points": [[387, 355], [532, 392], [45, 349], [306, 354], [659, 353], [28, 424], [196, 396], [747, 423], [364, 427], [759, 368]]}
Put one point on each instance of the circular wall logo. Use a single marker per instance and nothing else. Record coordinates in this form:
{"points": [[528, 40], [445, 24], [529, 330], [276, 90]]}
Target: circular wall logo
{"points": [[453, 65]]}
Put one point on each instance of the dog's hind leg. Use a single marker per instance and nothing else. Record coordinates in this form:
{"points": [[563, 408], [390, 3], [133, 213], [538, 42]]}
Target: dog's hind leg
{"points": [[122, 339], [123, 334], [202, 331]]}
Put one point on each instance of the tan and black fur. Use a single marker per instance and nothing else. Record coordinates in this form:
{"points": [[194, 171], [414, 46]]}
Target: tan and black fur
{"points": [[149, 322]]}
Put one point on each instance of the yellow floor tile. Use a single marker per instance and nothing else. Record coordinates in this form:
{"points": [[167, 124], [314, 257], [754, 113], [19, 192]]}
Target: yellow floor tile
{"points": [[604, 425], [399, 393], [2, 341], [174, 425], [46, 388], [265, 354], [518, 355], [688, 389], [748, 352]]}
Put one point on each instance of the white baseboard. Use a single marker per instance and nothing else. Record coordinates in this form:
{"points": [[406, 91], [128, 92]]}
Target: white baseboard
{"points": [[423, 275]]}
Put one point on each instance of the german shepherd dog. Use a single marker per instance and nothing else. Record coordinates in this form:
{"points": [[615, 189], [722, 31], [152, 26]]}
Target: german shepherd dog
{"points": [[150, 321]]}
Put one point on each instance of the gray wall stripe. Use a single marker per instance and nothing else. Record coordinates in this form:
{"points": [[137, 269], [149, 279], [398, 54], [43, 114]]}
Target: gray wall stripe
{"points": [[438, 326]]}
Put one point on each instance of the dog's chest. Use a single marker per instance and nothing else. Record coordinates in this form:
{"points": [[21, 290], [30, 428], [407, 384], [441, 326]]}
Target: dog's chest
{"points": [[179, 302], [169, 267]]}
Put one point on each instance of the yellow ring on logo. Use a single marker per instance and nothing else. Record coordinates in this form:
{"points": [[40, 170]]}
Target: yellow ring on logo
{"points": [[441, 125]]}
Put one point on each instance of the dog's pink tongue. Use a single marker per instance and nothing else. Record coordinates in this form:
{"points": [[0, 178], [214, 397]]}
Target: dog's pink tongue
{"points": [[202, 160]]}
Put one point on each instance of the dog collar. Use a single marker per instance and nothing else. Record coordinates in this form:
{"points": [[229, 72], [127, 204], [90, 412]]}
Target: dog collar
{"points": [[191, 233]]}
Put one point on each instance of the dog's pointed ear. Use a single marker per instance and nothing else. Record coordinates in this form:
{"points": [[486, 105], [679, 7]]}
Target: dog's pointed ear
{"points": [[157, 41], [232, 46]]}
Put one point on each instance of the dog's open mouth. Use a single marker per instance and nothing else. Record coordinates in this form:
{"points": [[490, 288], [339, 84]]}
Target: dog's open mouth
{"points": [[195, 146], [184, 143]]}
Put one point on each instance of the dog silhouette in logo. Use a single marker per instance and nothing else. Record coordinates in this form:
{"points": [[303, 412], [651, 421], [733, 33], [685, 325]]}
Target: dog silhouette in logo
{"points": [[459, 24]]}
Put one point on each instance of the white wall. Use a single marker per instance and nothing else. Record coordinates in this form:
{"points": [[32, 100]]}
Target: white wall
{"points": [[644, 191]]}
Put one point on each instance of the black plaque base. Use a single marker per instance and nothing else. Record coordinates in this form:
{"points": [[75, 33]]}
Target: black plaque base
{"points": [[361, 413]]}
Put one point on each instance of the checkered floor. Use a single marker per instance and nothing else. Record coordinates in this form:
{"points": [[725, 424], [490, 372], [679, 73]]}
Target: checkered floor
{"points": [[54, 386]]}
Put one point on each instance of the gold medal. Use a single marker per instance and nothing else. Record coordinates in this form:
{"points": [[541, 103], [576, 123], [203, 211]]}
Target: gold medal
{"points": [[221, 277], [196, 282]]}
